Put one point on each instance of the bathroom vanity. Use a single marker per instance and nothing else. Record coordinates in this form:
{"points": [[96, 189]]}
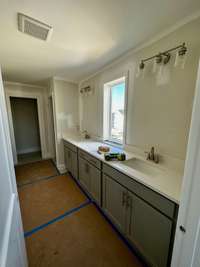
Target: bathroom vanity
{"points": [[140, 205]]}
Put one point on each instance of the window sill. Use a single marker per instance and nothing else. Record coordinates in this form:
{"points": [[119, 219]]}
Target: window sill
{"points": [[112, 143]]}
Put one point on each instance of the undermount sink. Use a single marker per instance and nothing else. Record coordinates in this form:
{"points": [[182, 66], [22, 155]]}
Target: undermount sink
{"points": [[143, 166]]}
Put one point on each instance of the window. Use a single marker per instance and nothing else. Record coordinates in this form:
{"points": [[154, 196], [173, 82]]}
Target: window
{"points": [[114, 100]]}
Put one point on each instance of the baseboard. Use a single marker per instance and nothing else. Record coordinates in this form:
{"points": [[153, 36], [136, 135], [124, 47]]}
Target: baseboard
{"points": [[47, 156], [61, 168], [28, 150]]}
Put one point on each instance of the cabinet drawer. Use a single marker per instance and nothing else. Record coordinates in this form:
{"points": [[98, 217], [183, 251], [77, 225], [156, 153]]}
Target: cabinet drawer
{"points": [[95, 162], [70, 146], [161, 203]]}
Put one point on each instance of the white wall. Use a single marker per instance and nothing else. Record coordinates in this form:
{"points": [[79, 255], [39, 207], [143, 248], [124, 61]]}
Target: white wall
{"points": [[23, 90], [157, 115], [66, 113], [26, 124]]}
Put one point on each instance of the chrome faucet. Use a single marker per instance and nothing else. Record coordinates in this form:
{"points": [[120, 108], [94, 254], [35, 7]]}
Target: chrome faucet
{"points": [[86, 135], [152, 155]]}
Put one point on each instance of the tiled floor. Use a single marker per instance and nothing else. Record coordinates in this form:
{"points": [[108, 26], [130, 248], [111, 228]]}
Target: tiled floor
{"points": [[65, 229]]}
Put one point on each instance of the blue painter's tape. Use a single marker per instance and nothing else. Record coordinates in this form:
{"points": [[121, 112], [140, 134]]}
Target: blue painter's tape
{"points": [[27, 234], [38, 180]]}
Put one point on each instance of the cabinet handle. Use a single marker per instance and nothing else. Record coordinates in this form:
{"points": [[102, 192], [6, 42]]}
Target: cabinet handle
{"points": [[87, 168], [182, 228], [124, 198], [129, 206], [128, 201]]}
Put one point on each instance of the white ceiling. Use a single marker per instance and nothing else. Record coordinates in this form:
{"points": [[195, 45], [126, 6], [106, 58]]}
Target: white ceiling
{"points": [[87, 34]]}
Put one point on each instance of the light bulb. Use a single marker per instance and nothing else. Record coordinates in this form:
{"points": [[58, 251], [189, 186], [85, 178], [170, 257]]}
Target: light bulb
{"points": [[140, 70], [181, 57]]}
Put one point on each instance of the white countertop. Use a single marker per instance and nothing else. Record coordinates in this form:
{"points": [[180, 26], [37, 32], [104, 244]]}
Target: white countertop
{"points": [[167, 184]]}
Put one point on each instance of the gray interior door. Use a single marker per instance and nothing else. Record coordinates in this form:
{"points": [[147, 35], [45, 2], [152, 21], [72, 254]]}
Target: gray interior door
{"points": [[149, 230], [113, 201]]}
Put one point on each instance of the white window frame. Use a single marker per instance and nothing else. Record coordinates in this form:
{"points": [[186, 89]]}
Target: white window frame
{"points": [[107, 111]]}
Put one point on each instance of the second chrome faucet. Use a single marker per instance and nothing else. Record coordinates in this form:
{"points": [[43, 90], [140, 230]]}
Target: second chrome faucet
{"points": [[151, 155]]}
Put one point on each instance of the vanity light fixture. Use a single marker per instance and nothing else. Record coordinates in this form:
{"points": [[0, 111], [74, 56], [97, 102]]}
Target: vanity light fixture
{"points": [[164, 57], [85, 91]]}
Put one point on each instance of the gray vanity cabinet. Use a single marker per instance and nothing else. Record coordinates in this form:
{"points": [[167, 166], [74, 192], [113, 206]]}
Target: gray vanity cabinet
{"points": [[90, 179], [149, 230], [84, 176], [144, 217], [114, 202], [95, 183], [71, 161]]}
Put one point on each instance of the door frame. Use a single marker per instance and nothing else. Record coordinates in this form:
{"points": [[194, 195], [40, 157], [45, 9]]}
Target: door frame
{"points": [[52, 125], [187, 243], [38, 97], [13, 244]]}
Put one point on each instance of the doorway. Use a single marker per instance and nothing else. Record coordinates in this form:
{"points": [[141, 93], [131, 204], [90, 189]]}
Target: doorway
{"points": [[26, 129]]}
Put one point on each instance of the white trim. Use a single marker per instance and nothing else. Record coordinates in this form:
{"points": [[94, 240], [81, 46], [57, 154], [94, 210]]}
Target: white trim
{"points": [[54, 120], [23, 84], [125, 107], [58, 78], [61, 167], [107, 111], [28, 150], [13, 227], [38, 97], [149, 42], [51, 127], [184, 246], [5, 125], [7, 231], [16, 251]]}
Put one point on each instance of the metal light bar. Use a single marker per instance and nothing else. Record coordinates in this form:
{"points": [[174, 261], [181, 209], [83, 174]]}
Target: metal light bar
{"points": [[166, 52]]}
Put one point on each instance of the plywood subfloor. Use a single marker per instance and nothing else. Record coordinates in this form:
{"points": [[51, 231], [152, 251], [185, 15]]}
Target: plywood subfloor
{"points": [[34, 171], [83, 239], [46, 199], [29, 157]]}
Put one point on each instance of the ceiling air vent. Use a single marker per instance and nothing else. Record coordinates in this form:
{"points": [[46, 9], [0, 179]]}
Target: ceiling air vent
{"points": [[33, 27]]}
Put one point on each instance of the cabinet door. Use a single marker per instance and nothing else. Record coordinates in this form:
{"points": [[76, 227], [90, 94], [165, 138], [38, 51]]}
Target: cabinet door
{"points": [[84, 176], [149, 230], [74, 164], [114, 201], [95, 183], [67, 158]]}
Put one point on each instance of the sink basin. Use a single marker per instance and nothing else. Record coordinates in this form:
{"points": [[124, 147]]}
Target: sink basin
{"points": [[143, 167]]}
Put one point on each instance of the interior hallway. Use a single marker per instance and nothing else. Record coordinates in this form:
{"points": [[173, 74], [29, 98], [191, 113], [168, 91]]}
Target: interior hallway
{"points": [[62, 226]]}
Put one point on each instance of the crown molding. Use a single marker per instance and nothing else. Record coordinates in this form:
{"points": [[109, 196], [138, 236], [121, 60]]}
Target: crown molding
{"points": [[23, 84], [58, 78], [149, 42]]}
